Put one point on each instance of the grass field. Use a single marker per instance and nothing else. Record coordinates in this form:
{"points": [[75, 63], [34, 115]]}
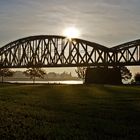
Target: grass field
{"points": [[69, 112]]}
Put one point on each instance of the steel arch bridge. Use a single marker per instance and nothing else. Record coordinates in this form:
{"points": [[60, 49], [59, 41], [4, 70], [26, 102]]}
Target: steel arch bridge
{"points": [[59, 51]]}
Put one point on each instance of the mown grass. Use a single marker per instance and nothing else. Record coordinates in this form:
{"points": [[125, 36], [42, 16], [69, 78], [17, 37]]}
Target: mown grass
{"points": [[69, 112]]}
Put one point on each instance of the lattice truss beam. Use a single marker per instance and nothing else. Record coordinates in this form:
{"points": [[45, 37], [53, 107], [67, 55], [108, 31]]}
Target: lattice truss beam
{"points": [[52, 52], [128, 53], [57, 51]]}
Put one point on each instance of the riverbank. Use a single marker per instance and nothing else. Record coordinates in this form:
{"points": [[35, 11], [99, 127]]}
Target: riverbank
{"points": [[69, 112]]}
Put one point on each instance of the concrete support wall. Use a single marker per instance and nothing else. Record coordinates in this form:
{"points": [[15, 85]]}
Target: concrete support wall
{"points": [[103, 75]]}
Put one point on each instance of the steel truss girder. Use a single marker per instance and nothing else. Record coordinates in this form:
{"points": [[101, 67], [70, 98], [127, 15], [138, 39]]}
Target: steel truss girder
{"points": [[58, 51]]}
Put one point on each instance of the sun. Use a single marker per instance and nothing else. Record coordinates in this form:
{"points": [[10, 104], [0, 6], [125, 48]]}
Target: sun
{"points": [[71, 32]]}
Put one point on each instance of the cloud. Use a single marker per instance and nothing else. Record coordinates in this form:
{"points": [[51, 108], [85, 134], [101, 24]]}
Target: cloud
{"points": [[99, 20], [108, 22]]}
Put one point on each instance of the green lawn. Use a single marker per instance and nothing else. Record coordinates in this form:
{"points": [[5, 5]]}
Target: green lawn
{"points": [[69, 112]]}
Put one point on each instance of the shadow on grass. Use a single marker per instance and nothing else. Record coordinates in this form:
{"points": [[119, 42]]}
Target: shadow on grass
{"points": [[69, 112]]}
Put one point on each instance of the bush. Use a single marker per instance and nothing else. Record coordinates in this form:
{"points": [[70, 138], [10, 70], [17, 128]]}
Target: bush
{"points": [[137, 77]]}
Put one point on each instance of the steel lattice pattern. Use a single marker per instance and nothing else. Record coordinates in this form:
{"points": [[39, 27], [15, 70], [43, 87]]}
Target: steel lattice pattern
{"points": [[58, 51]]}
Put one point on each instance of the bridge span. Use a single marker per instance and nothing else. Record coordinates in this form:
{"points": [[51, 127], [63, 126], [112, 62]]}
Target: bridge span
{"points": [[59, 51]]}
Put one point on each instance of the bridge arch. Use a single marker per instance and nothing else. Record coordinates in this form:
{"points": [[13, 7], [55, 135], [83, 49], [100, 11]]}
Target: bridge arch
{"points": [[128, 53], [51, 51], [59, 51]]}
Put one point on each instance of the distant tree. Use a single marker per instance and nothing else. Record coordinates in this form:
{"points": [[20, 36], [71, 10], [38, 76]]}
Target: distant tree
{"points": [[5, 72], [81, 72], [34, 72], [125, 73], [132, 82], [137, 77]]}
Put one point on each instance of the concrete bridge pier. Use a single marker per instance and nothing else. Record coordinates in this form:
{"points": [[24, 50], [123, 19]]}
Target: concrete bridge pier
{"points": [[103, 75]]}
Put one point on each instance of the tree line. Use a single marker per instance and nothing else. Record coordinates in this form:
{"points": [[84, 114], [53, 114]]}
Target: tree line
{"points": [[33, 73]]}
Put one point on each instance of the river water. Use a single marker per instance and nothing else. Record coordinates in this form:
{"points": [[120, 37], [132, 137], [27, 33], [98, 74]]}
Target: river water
{"points": [[51, 82]]}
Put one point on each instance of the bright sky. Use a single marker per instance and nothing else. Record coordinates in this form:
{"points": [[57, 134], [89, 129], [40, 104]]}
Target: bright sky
{"points": [[107, 22]]}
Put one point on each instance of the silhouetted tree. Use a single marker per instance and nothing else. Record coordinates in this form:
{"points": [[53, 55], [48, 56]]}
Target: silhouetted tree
{"points": [[125, 73], [132, 81], [5, 72], [81, 72], [137, 77], [34, 72]]}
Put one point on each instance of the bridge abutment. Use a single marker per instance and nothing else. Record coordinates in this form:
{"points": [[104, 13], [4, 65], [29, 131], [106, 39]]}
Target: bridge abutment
{"points": [[103, 75]]}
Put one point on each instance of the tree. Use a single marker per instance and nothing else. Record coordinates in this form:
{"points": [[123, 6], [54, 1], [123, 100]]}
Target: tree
{"points": [[81, 72], [137, 77], [34, 72], [5, 72], [125, 73]]}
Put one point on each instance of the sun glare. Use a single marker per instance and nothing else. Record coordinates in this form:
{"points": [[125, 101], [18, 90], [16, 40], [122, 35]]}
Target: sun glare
{"points": [[71, 32]]}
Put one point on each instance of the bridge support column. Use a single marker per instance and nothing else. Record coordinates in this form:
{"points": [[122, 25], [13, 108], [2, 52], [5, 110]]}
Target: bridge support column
{"points": [[103, 75]]}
